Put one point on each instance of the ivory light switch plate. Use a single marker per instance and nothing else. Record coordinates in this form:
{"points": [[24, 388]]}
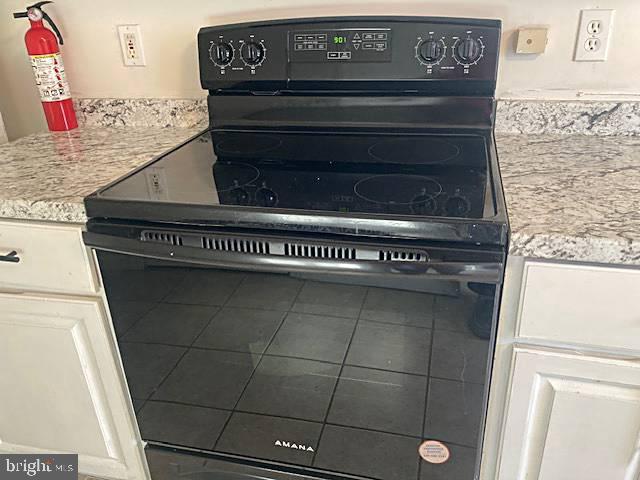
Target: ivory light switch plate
{"points": [[531, 40]]}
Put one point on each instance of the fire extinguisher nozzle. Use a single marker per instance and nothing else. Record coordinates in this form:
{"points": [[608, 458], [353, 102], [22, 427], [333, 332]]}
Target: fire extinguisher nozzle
{"points": [[54, 27]]}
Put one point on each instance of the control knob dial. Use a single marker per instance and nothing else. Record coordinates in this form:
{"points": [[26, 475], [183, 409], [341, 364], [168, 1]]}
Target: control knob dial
{"points": [[468, 50], [457, 205], [430, 50], [253, 53], [265, 197], [239, 196], [221, 53]]}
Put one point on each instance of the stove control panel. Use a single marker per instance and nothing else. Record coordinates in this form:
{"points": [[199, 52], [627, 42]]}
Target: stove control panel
{"points": [[237, 54], [460, 51], [362, 45], [440, 55]]}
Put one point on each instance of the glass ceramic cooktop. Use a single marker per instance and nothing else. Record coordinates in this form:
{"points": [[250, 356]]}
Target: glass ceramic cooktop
{"points": [[400, 174]]}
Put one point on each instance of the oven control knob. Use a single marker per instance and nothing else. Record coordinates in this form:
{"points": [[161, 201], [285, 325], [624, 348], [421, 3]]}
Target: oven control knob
{"points": [[430, 51], [457, 206], [265, 197], [239, 196], [221, 53], [253, 53], [469, 50]]}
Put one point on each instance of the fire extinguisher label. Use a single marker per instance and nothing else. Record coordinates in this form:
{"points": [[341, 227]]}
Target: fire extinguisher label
{"points": [[50, 77]]}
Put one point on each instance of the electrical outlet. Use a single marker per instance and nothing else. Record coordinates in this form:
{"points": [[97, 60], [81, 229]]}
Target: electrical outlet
{"points": [[594, 27], [594, 34], [592, 45], [156, 183], [131, 45]]}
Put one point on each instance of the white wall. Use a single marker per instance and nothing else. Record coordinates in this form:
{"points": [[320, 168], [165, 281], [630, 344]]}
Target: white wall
{"points": [[93, 60]]}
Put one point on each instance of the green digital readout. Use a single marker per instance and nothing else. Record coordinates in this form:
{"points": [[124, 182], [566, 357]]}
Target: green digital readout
{"points": [[338, 39]]}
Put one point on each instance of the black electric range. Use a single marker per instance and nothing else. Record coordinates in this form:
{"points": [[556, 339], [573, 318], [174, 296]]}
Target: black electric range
{"points": [[309, 287]]}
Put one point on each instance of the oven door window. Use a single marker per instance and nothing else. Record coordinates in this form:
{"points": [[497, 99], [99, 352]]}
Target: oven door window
{"points": [[348, 374]]}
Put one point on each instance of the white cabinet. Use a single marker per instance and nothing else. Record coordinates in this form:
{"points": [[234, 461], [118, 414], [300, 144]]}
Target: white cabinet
{"points": [[62, 388], [53, 259], [565, 392], [581, 305], [571, 418]]}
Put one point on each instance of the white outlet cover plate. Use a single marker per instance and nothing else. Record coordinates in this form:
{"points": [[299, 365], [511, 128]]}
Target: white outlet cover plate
{"points": [[125, 31], [582, 53]]}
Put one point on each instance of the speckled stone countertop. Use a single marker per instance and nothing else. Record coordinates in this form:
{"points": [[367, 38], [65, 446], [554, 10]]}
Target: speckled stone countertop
{"points": [[572, 197], [45, 176]]}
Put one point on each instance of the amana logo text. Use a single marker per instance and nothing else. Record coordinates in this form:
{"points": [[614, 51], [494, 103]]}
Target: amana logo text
{"points": [[292, 445]]}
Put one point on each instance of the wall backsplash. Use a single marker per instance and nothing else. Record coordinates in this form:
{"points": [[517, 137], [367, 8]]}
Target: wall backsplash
{"points": [[589, 118], [95, 68], [141, 112], [512, 116]]}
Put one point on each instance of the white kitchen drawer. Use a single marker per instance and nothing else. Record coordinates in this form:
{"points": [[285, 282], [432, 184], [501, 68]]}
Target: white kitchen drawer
{"points": [[581, 304], [52, 258]]}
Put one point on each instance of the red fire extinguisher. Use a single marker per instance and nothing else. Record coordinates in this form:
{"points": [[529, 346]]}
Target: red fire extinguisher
{"points": [[48, 69]]}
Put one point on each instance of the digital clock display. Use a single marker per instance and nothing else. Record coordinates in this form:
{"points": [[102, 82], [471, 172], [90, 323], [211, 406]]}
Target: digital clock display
{"points": [[339, 39]]}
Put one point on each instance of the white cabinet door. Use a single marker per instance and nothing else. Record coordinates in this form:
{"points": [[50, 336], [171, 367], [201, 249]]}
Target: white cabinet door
{"points": [[571, 417], [60, 387]]}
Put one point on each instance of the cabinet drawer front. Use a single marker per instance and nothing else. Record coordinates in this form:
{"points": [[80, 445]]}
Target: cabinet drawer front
{"points": [[581, 304], [52, 258]]}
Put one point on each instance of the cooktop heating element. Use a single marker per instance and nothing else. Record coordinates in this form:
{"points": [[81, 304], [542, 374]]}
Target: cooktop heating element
{"points": [[397, 189], [413, 150]]}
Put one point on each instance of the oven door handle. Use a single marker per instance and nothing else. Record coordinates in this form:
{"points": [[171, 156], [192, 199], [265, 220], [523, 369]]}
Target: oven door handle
{"points": [[489, 272]]}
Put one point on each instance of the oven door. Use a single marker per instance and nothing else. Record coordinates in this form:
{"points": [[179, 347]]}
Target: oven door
{"points": [[253, 356]]}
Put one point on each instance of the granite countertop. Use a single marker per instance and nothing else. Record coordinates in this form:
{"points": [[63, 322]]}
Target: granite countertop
{"points": [[572, 197], [45, 176]]}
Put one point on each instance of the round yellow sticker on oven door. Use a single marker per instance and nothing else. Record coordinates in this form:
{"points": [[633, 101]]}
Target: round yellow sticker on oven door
{"points": [[434, 451]]}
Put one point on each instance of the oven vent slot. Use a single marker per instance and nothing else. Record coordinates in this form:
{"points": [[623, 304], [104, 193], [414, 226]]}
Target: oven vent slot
{"points": [[239, 245], [258, 246], [319, 251], [162, 237], [402, 256]]}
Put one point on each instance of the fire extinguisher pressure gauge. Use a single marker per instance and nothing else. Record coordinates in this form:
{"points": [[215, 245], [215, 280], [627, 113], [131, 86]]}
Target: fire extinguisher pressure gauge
{"points": [[34, 14]]}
